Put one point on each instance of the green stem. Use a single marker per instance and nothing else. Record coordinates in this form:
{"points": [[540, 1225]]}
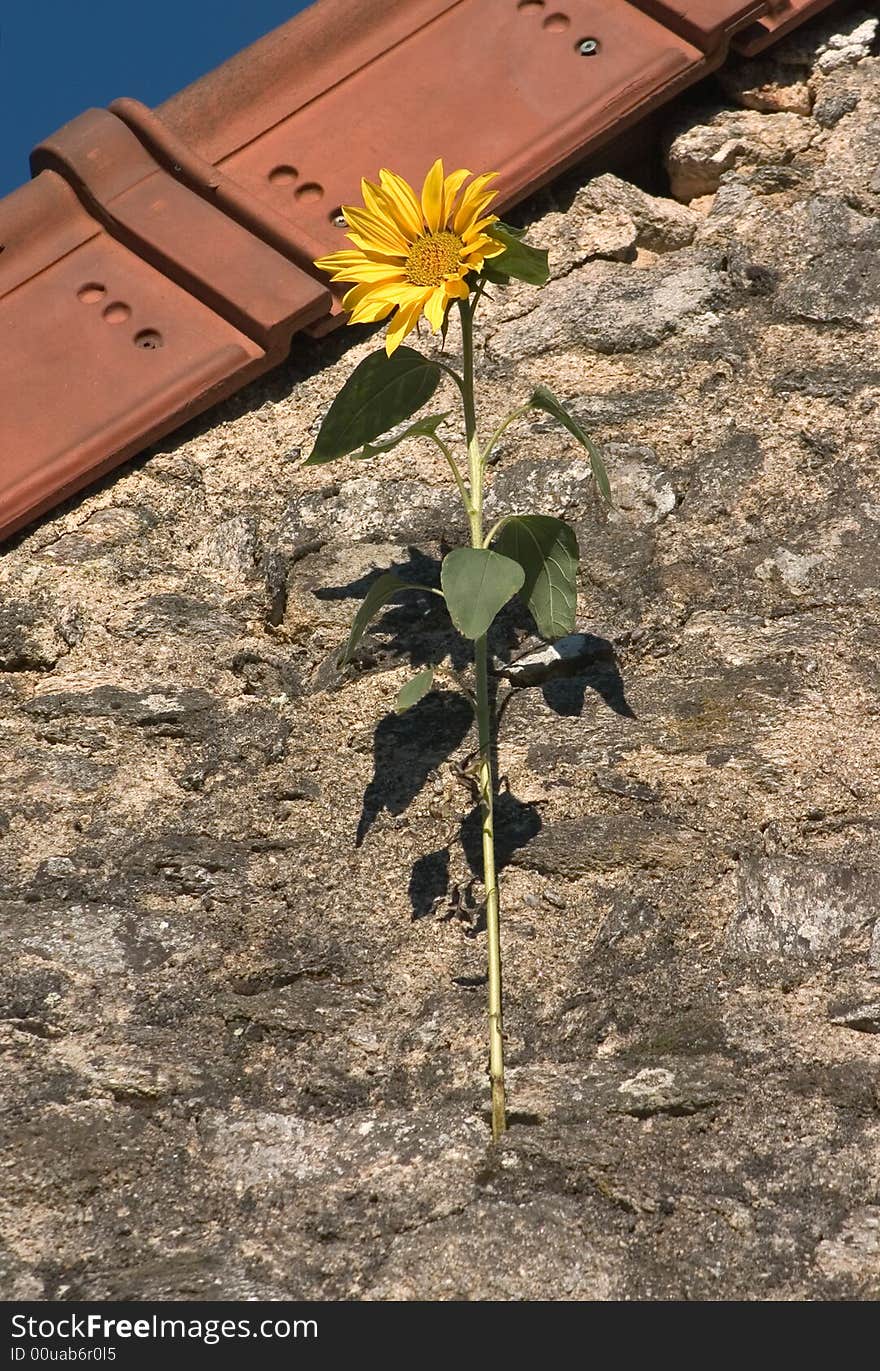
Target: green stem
{"points": [[505, 423], [495, 530], [484, 726], [453, 467], [450, 371]]}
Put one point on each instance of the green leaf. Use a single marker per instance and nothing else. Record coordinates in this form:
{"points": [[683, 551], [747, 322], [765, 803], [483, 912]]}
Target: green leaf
{"points": [[381, 392], [383, 589], [422, 428], [518, 259], [476, 583], [414, 690], [542, 398], [546, 549]]}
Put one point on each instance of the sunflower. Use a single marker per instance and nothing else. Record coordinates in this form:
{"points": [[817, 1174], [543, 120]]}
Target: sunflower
{"points": [[412, 254]]}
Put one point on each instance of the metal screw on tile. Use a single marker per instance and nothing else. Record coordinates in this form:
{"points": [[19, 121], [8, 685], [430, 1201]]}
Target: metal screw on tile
{"points": [[338, 218], [588, 47]]}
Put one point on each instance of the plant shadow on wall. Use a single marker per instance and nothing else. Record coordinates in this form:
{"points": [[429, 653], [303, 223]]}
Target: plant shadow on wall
{"points": [[409, 748]]}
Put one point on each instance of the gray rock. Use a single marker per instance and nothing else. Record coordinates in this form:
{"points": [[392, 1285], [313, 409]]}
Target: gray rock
{"points": [[854, 1252], [564, 657], [368, 509], [835, 382], [852, 43], [602, 842], [643, 492], [661, 225], [184, 614], [766, 85], [608, 233], [861, 1015], [714, 143], [612, 782], [613, 308], [851, 147], [658, 1090], [835, 288], [101, 533], [832, 104], [231, 549], [793, 915], [164, 709], [492, 1252], [32, 635], [847, 33], [551, 487]]}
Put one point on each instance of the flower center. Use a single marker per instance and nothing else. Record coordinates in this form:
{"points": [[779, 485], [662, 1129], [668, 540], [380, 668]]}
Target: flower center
{"points": [[432, 258]]}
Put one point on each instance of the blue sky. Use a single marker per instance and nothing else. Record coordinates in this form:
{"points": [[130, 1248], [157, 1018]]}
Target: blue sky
{"points": [[58, 57]]}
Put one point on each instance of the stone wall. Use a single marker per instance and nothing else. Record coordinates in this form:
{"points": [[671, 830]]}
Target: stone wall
{"points": [[241, 1002]]}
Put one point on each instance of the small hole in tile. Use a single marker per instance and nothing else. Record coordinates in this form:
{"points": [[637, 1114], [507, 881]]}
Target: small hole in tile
{"points": [[148, 339], [310, 191], [91, 293], [526, 5], [556, 23], [117, 313], [283, 175]]}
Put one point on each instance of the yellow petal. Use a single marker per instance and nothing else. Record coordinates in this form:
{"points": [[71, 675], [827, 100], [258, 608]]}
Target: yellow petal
{"points": [[488, 247], [358, 294], [380, 232], [435, 309], [385, 208], [370, 271], [335, 262], [368, 246], [481, 248], [432, 196], [374, 201], [478, 226], [451, 186], [403, 323], [457, 290], [476, 210], [401, 195], [354, 254], [371, 311], [473, 201]]}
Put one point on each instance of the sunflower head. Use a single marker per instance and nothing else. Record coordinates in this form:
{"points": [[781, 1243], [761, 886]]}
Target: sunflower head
{"points": [[413, 253]]}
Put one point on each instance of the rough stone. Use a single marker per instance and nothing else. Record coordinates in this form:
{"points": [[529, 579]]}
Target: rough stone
{"points": [[854, 1252], [661, 224], [571, 848], [100, 533], [766, 86], [837, 287], [32, 635], [607, 233], [643, 492], [863, 1016], [832, 104], [242, 997], [232, 549], [856, 41], [714, 143], [610, 309], [792, 913]]}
